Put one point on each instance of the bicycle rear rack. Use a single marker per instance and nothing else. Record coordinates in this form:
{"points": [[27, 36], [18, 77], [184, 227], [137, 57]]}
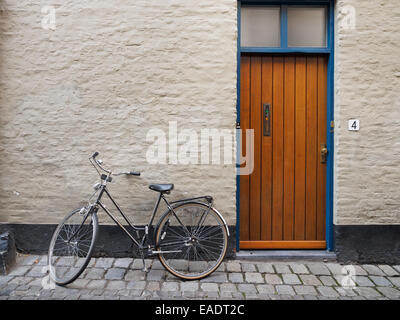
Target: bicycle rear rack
{"points": [[209, 200]]}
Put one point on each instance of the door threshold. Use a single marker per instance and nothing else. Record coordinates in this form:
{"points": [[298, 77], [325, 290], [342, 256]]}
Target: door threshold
{"points": [[286, 255]]}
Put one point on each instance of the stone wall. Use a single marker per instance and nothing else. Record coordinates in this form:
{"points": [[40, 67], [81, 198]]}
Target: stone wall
{"points": [[109, 73], [367, 87], [99, 79]]}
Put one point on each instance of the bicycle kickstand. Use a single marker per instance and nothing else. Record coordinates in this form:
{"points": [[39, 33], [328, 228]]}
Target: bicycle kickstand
{"points": [[145, 269]]}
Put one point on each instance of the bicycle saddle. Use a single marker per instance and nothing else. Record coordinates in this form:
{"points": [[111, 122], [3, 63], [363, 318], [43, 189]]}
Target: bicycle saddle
{"points": [[161, 187]]}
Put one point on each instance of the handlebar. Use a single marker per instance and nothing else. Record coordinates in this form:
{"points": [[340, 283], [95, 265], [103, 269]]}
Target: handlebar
{"points": [[99, 164]]}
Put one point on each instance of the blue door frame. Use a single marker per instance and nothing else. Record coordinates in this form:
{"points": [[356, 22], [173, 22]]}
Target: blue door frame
{"points": [[329, 51]]}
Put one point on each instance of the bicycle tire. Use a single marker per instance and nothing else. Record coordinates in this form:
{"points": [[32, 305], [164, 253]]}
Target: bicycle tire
{"points": [[191, 274], [75, 272]]}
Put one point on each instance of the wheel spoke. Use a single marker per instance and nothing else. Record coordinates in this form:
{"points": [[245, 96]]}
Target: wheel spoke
{"points": [[199, 235], [69, 245]]}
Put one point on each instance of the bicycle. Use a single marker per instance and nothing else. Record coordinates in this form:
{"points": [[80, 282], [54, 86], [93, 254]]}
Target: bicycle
{"points": [[190, 238]]}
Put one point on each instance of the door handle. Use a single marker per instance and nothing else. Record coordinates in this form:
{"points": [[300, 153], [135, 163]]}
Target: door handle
{"points": [[323, 153], [267, 109]]}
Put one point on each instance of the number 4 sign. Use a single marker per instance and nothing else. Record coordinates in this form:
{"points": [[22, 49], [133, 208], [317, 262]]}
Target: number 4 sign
{"points": [[354, 124]]}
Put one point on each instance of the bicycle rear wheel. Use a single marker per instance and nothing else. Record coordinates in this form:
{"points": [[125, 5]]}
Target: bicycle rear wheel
{"points": [[193, 240], [72, 245]]}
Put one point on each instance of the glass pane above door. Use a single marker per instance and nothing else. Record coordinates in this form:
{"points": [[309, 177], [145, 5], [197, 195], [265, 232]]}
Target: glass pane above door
{"points": [[306, 26], [260, 26]]}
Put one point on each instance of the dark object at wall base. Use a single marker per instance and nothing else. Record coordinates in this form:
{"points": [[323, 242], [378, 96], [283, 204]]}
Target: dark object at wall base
{"points": [[353, 243], [367, 243], [111, 241], [7, 252]]}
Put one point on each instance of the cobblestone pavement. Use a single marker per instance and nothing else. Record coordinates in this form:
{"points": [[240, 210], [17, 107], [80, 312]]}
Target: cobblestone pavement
{"points": [[109, 278]]}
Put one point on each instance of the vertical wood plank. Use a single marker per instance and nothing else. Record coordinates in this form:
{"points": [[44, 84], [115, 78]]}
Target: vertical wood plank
{"points": [[277, 146], [255, 123], [245, 124], [321, 168], [289, 159], [266, 155], [300, 148], [312, 156]]}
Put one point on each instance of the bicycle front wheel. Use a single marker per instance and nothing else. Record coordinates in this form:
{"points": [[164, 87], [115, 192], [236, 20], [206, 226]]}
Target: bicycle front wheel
{"points": [[193, 240], [72, 246]]}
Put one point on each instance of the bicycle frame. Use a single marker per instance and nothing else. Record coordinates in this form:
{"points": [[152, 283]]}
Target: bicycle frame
{"points": [[145, 238]]}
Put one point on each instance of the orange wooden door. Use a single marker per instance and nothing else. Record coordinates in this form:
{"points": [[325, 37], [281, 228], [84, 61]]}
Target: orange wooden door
{"points": [[282, 203]]}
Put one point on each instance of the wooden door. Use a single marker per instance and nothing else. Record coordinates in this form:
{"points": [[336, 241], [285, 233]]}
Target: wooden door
{"points": [[282, 203]]}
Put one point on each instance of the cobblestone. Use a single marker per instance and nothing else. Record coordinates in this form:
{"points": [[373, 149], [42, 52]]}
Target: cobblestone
{"points": [[282, 268], [123, 263], [97, 284], [123, 279], [395, 281], [95, 273], [284, 289], [232, 266], [367, 292], [219, 277], [235, 277], [318, 269], [135, 275], [115, 274], [328, 281], [299, 268], [156, 275], [381, 281], [189, 286], [209, 287], [265, 288], [137, 285], [388, 270], [254, 277], [265, 267], [117, 285], [153, 286], [247, 288], [248, 267], [327, 291], [373, 270], [389, 292], [310, 279], [273, 279], [36, 271], [305, 290], [104, 263], [228, 287], [291, 279], [363, 281]]}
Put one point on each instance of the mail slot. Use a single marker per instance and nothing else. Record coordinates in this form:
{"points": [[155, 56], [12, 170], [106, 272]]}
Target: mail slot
{"points": [[266, 119]]}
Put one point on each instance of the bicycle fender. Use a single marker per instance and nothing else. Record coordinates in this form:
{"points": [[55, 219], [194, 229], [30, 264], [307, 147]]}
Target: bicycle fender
{"points": [[223, 219]]}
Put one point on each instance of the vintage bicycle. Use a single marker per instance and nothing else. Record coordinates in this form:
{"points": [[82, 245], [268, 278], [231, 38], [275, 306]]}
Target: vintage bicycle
{"points": [[190, 239]]}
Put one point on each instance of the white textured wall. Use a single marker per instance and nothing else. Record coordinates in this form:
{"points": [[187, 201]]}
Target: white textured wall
{"points": [[108, 73], [367, 170]]}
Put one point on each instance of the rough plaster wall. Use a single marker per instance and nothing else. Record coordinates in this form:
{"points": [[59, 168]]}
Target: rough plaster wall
{"points": [[107, 74], [367, 87]]}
